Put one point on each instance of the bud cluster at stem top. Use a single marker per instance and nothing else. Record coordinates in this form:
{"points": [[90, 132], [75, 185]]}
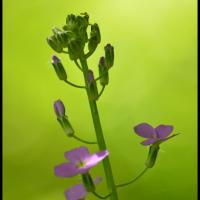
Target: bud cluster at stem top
{"points": [[73, 36]]}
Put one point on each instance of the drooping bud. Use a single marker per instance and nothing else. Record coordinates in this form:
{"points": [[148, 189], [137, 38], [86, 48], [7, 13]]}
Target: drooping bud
{"points": [[88, 182], [103, 72], [70, 22], [109, 55], [92, 85], [153, 152], [59, 109], [58, 67], [75, 48], [95, 38], [55, 44]]}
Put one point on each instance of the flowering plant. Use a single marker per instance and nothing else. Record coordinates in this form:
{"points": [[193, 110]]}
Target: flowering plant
{"points": [[72, 40]]}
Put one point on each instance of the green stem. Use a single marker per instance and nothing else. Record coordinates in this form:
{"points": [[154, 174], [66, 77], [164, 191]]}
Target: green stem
{"points": [[101, 92], [99, 134], [84, 141], [132, 181], [77, 64], [74, 85], [101, 197]]}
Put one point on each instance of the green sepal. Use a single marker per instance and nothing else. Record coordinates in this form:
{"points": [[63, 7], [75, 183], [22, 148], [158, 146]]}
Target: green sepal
{"points": [[109, 55], [55, 44], [95, 38], [88, 182], [65, 124], [153, 152], [103, 73], [60, 71]]}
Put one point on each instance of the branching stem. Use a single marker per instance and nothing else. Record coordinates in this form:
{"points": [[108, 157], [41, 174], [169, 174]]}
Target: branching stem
{"points": [[132, 181], [99, 196], [84, 141], [74, 85]]}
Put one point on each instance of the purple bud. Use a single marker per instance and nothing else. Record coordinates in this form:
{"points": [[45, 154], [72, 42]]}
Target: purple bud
{"points": [[59, 108], [108, 47], [92, 85], [90, 76], [55, 59], [102, 61]]}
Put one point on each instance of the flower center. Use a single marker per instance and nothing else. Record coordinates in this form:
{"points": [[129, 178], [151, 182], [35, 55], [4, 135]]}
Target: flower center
{"points": [[80, 164]]}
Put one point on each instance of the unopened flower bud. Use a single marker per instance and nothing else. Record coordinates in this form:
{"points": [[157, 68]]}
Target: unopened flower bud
{"points": [[88, 182], [153, 152], [70, 22], [59, 69], [59, 108], [92, 85], [95, 37], [55, 44], [109, 55], [62, 37], [103, 72], [75, 48]]}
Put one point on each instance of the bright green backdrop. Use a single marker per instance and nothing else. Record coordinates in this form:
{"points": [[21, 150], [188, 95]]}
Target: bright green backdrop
{"points": [[153, 80]]}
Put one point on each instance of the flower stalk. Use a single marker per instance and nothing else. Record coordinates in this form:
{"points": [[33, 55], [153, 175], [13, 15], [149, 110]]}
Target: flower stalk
{"points": [[99, 134]]}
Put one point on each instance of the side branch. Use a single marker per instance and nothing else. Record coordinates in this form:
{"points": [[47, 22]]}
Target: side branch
{"points": [[132, 181], [74, 85]]}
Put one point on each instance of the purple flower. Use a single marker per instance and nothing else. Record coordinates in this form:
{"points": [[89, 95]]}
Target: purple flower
{"points": [[153, 135], [78, 192], [80, 162], [59, 108]]}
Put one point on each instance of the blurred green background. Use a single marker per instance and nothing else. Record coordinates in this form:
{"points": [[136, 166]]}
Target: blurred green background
{"points": [[154, 80]]}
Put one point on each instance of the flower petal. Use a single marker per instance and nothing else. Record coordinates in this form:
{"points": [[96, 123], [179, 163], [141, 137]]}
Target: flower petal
{"points": [[144, 130], [163, 131], [66, 170], [77, 155], [149, 141], [76, 192], [93, 160]]}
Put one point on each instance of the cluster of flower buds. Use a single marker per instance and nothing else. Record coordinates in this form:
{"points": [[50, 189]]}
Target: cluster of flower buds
{"points": [[73, 36], [59, 109]]}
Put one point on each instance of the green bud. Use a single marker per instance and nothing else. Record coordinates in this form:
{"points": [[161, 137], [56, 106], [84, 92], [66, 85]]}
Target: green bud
{"points": [[59, 69], [88, 182], [62, 37], [153, 152], [103, 72], [75, 48], [109, 55], [65, 124], [92, 86], [95, 38], [70, 22], [54, 44], [56, 30]]}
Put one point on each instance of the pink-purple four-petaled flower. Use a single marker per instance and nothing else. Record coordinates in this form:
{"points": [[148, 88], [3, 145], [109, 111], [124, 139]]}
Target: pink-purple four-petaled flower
{"points": [[152, 135]]}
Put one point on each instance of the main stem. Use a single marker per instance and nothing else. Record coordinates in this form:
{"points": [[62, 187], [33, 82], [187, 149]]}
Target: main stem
{"points": [[99, 134]]}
